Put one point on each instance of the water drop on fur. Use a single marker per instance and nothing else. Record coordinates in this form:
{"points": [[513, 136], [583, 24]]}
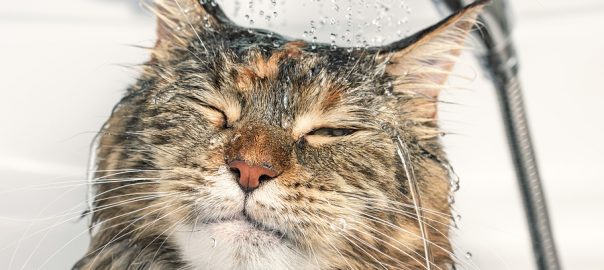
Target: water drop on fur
{"points": [[286, 98], [455, 186], [339, 225], [286, 122], [343, 224], [468, 255], [388, 90], [451, 199], [235, 137], [213, 141]]}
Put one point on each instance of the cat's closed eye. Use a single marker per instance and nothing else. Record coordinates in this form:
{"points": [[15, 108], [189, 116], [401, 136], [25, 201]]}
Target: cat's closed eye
{"points": [[214, 114], [331, 132]]}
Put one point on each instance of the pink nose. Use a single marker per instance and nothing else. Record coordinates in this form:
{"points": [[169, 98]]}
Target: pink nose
{"points": [[251, 175]]}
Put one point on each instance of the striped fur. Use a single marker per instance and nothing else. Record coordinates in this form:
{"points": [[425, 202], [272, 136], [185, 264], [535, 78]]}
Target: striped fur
{"points": [[165, 198]]}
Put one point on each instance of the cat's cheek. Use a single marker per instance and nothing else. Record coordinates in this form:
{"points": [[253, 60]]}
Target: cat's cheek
{"points": [[216, 197]]}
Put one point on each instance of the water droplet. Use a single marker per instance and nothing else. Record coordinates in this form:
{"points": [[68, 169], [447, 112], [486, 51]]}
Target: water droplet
{"points": [[163, 97], [455, 186], [451, 199], [458, 218], [388, 89], [286, 99], [384, 126], [269, 34], [333, 46], [251, 22], [339, 225], [276, 44], [343, 224], [236, 137], [261, 12], [247, 16], [332, 36], [286, 122], [468, 255], [214, 140], [213, 242]]}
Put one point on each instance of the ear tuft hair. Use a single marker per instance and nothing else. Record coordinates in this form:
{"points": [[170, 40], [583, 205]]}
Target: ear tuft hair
{"points": [[178, 21], [421, 63]]}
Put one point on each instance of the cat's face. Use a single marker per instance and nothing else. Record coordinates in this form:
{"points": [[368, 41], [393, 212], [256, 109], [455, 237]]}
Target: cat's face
{"points": [[263, 151], [280, 144]]}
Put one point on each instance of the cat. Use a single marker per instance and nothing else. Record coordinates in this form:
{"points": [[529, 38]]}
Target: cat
{"points": [[236, 149]]}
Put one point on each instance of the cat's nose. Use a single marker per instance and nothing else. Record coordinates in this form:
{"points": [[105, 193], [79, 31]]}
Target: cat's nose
{"points": [[250, 176]]}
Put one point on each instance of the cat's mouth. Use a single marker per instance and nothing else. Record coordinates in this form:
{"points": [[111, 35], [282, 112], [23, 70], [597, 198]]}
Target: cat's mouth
{"points": [[247, 224], [261, 227]]}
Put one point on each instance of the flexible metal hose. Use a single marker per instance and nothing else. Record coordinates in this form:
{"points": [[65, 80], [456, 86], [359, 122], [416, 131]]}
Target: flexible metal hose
{"points": [[501, 62]]}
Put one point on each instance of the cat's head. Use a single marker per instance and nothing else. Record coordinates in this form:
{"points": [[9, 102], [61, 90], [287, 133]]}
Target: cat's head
{"points": [[278, 151]]}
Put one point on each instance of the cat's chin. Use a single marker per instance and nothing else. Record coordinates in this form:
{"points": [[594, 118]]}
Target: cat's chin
{"points": [[246, 230], [236, 244]]}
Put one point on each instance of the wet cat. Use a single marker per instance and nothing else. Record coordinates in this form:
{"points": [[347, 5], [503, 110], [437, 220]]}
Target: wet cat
{"points": [[241, 150]]}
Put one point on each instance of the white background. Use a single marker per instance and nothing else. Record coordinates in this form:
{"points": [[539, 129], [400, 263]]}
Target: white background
{"points": [[62, 69]]}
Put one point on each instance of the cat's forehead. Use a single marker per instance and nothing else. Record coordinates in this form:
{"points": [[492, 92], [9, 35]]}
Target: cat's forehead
{"points": [[270, 54], [257, 81]]}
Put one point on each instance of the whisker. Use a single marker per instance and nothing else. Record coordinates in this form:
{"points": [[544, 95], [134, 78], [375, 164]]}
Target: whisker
{"points": [[400, 149], [117, 236]]}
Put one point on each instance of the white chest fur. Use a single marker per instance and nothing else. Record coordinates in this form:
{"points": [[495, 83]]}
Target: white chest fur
{"points": [[237, 245]]}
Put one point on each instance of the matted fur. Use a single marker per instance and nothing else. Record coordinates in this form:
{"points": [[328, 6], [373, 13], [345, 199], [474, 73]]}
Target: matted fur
{"points": [[213, 92]]}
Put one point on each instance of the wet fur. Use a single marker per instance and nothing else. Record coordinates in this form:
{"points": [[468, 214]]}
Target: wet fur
{"points": [[214, 91]]}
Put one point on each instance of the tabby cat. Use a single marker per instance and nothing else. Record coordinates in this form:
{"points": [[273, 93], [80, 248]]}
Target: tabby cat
{"points": [[237, 149]]}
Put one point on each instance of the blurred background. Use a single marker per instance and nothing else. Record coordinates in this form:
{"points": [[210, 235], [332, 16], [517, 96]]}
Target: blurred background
{"points": [[65, 63]]}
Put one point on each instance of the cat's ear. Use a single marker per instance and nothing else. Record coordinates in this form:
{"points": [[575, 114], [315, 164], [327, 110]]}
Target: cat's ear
{"points": [[420, 64], [179, 20]]}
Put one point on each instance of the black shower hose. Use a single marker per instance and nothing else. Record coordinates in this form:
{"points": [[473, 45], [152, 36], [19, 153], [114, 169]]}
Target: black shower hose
{"points": [[502, 64]]}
